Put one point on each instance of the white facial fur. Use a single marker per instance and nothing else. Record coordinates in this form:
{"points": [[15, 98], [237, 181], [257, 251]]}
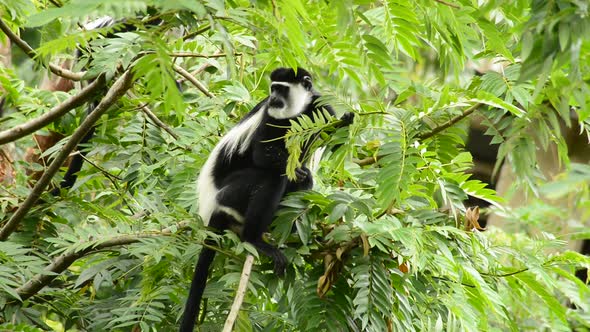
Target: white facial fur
{"points": [[298, 100]]}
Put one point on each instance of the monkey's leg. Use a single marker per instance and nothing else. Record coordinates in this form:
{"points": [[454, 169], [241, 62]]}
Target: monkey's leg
{"points": [[256, 194], [264, 203]]}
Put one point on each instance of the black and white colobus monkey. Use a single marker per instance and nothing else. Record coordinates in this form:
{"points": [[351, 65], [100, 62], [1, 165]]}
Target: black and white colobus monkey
{"points": [[243, 180]]}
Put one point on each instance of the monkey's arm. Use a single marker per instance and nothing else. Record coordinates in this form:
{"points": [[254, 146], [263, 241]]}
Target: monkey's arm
{"points": [[304, 180]]}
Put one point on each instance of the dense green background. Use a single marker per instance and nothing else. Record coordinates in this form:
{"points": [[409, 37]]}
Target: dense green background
{"points": [[384, 241]]}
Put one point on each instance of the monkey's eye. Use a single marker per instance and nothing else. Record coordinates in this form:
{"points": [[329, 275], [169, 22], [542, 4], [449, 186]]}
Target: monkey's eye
{"points": [[307, 82]]}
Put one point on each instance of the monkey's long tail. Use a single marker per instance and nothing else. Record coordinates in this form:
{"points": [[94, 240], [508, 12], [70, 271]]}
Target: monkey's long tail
{"points": [[193, 301]]}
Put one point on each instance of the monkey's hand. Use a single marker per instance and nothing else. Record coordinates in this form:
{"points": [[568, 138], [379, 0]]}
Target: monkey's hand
{"points": [[347, 118], [303, 180], [303, 174]]}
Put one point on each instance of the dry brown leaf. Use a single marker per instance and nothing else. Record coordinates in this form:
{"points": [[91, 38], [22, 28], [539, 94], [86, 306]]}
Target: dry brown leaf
{"points": [[404, 267], [472, 219]]}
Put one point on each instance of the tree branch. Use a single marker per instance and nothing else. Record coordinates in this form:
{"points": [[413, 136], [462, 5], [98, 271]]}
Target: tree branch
{"points": [[196, 33], [154, 118], [235, 308], [366, 161], [63, 261], [505, 274], [119, 88], [449, 123], [56, 112], [426, 135], [193, 80], [57, 70], [447, 4], [198, 55]]}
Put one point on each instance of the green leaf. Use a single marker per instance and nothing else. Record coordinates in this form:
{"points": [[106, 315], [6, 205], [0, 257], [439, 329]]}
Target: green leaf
{"points": [[488, 99]]}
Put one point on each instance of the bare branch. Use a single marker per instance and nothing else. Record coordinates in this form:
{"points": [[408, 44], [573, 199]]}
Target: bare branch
{"points": [[57, 70], [426, 135], [55, 3], [196, 33], [448, 4], [235, 308], [193, 80], [449, 123], [201, 69], [119, 88], [106, 173], [154, 118], [56, 112], [62, 262], [199, 55], [366, 161]]}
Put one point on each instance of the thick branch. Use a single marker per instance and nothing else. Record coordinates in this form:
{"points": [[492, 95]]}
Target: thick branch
{"points": [[193, 80], [119, 88], [235, 308], [55, 113], [57, 70], [426, 135], [62, 262]]}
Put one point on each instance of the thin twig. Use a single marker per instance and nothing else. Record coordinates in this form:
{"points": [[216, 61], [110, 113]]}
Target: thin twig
{"points": [[194, 55], [504, 275], [154, 118], [196, 33], [118, 89], [193, 80], [448, 4], [55, 3], [274, 9], [426, 135], [453, 281], [106, 173], [235, 308], [201, 69], [55, 113], [449, 123], [366, 161], [111, 177], [199, 55], [57, 70], [63, 261]]}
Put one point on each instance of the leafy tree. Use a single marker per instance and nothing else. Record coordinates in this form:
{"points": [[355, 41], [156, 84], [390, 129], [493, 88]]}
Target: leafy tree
{"points": [[383, 242]]}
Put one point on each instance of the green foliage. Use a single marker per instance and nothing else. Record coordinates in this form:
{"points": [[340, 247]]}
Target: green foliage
{"points": [[381, 242]]}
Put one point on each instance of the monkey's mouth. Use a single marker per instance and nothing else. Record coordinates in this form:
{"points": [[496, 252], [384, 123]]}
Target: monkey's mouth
{"points": [[275, 102]]}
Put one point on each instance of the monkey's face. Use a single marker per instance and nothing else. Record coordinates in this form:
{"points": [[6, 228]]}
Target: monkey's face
{"points": [[290, 94]]}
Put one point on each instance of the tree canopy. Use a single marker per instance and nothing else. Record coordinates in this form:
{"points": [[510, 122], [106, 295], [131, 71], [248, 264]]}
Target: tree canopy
{"points": [[384, 241]]}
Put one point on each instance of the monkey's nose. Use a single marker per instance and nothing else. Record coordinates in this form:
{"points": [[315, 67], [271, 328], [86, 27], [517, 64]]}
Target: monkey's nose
{"points": [[276, 102]]}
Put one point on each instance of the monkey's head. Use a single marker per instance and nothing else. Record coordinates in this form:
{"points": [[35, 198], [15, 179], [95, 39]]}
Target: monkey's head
{"points": [[290, 92]]}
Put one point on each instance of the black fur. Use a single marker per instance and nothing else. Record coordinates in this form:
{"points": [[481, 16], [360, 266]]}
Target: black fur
{"points": [[253, 183]]}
